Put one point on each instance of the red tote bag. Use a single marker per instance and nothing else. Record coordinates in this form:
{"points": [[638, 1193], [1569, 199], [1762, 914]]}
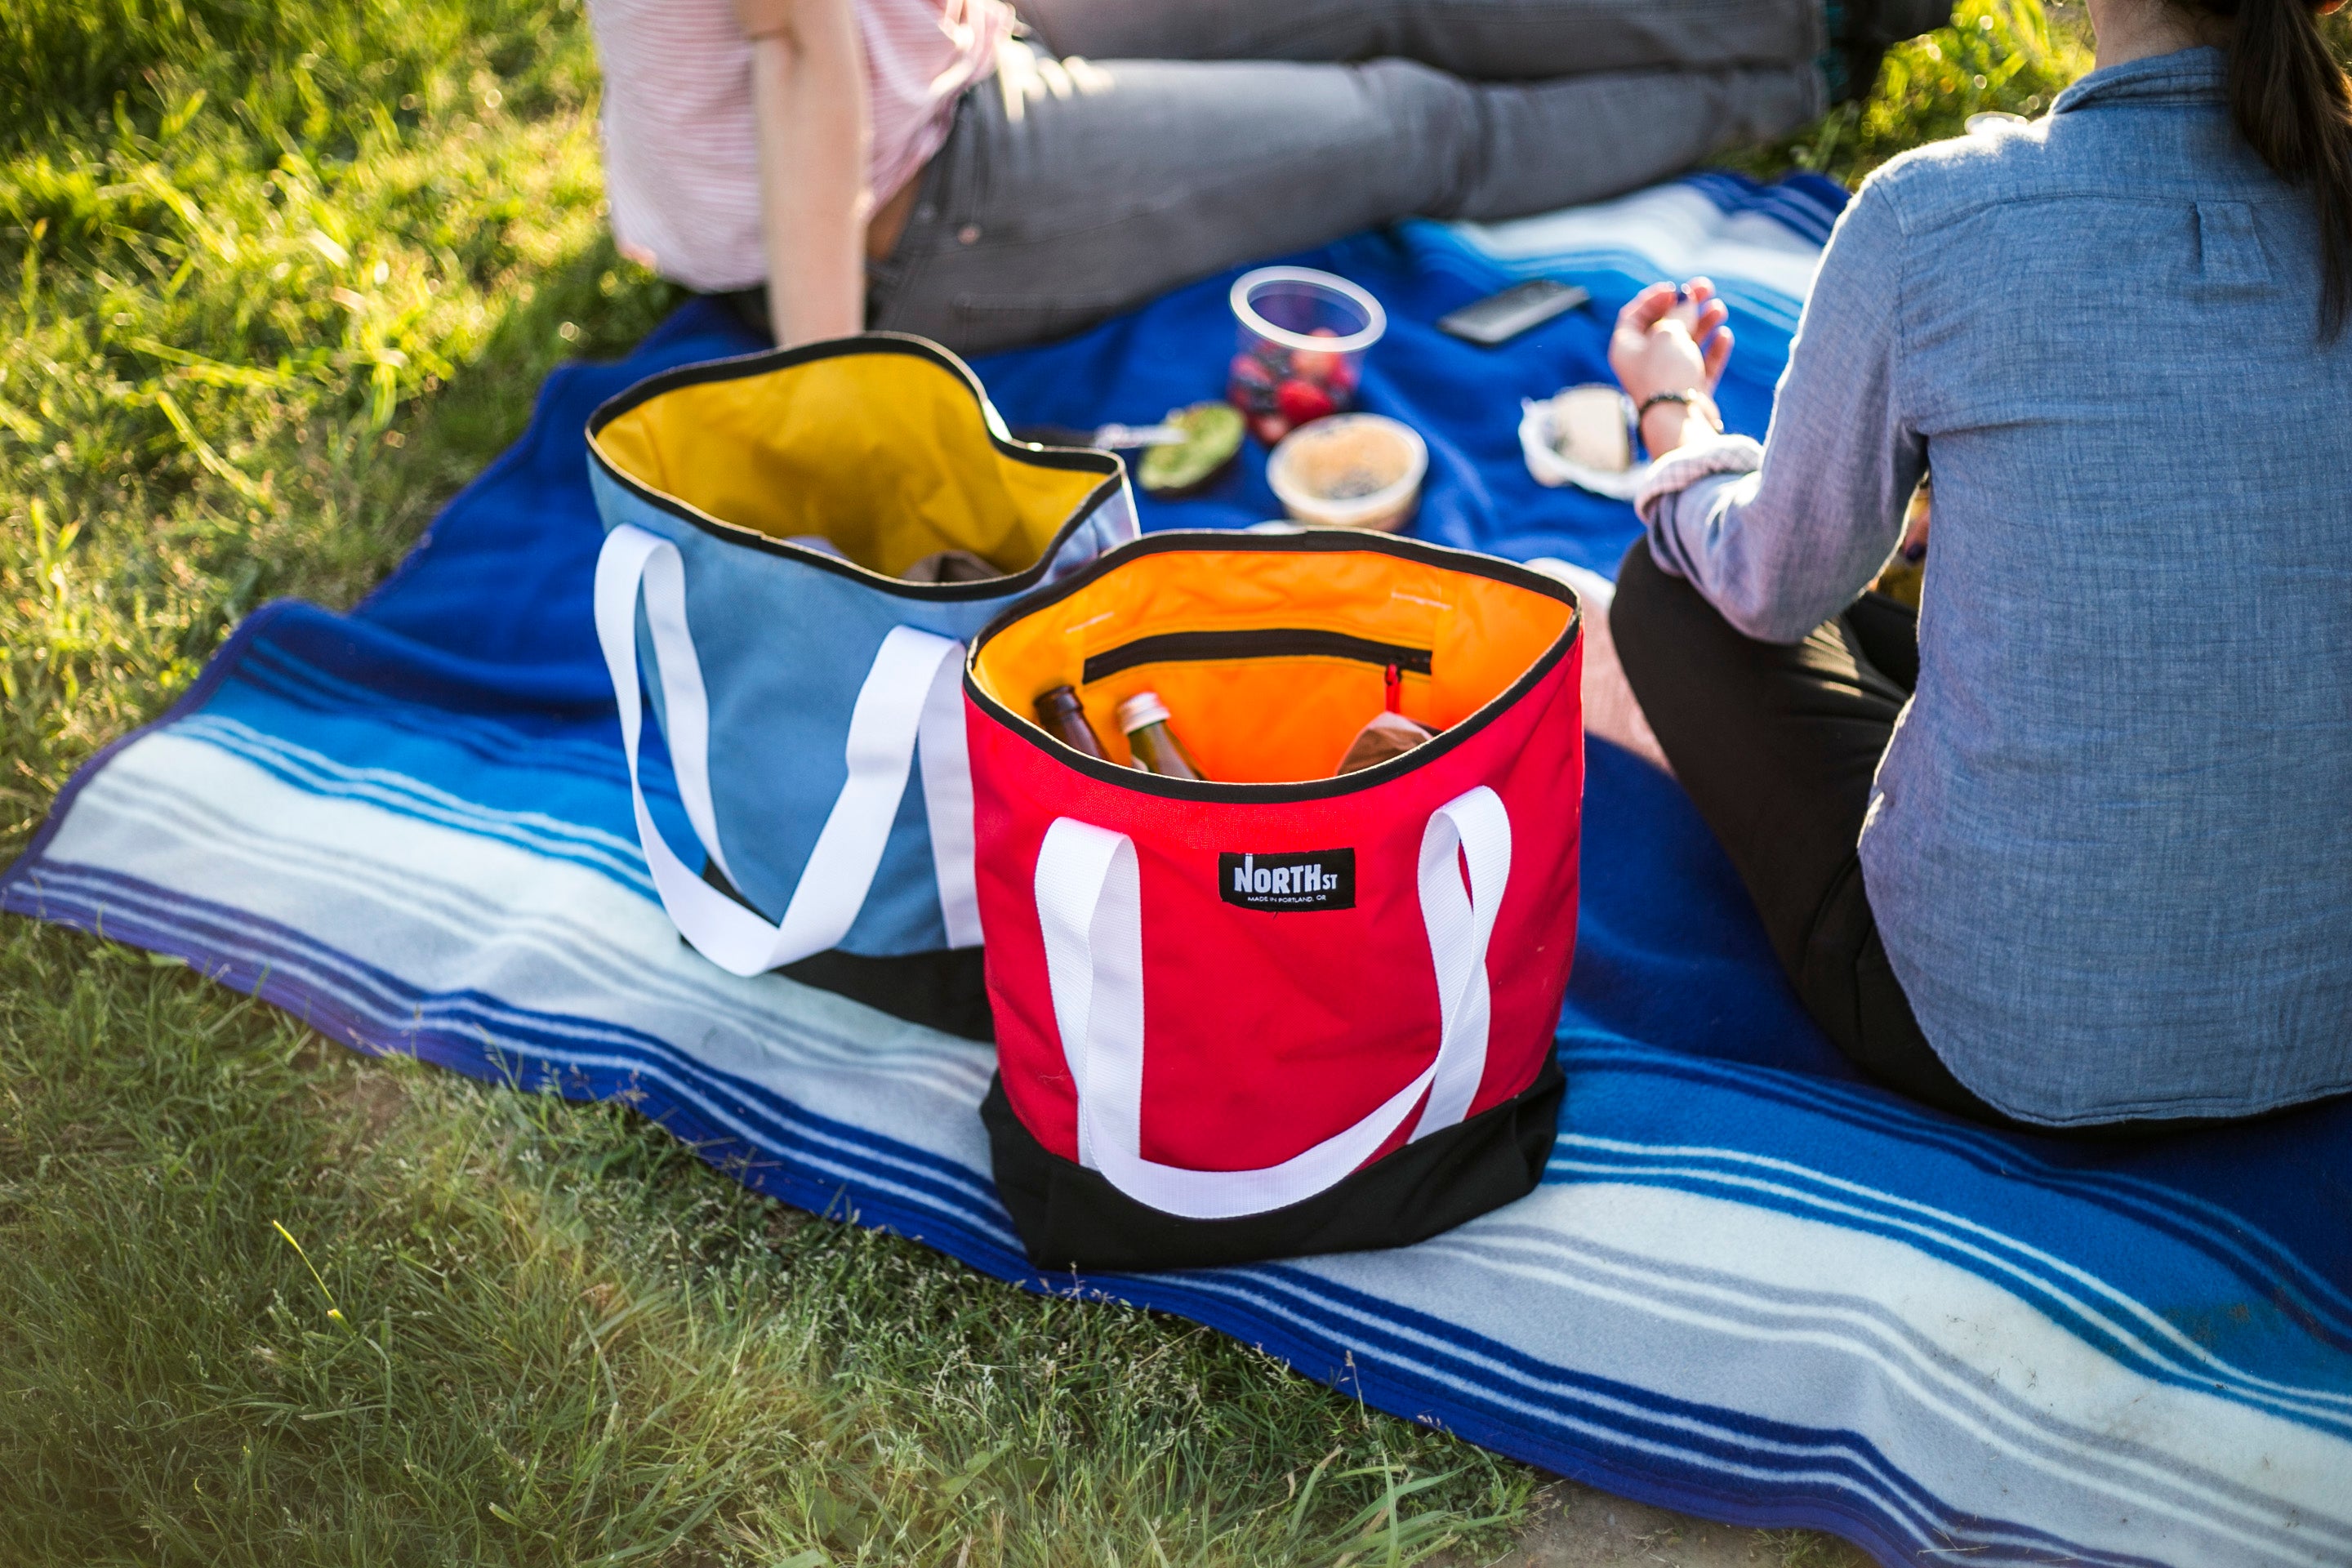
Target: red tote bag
{"points": [[1277, 1012]]}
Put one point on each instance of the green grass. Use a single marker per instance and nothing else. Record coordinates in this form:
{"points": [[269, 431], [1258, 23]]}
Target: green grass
{"points": [[2008, 55], [267, 1304], [274, 279]]}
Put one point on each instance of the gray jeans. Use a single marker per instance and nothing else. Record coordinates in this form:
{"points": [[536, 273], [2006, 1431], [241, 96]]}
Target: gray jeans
{"points": [[1186, 136]]}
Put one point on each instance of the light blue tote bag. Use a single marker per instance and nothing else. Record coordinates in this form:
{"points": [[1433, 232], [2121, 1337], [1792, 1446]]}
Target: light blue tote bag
{"points": [[763, 516]]}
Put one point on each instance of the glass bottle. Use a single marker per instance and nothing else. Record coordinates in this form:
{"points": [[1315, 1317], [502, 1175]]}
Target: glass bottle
{"points": [[1156, 749], [1064, 717]]}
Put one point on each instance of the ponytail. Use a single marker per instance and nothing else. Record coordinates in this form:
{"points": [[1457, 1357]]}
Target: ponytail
{"points": [[2293, 106]]}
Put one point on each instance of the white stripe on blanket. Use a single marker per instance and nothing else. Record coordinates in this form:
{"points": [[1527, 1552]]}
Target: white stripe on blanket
{"points": [[1883, 1356]]}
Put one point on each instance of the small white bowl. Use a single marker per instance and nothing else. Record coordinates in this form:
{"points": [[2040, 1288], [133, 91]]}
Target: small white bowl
{"points": [[1351, 470], [1539, 445]]}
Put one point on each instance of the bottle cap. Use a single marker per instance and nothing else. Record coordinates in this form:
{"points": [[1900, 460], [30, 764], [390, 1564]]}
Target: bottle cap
{"points": [[1142, 708]]}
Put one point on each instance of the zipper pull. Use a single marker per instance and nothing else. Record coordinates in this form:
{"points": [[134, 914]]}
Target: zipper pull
{"points": [[1393, 678]]}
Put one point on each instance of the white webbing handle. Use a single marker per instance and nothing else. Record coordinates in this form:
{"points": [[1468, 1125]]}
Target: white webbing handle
{"points": [[1090, 905], [914, 688]]}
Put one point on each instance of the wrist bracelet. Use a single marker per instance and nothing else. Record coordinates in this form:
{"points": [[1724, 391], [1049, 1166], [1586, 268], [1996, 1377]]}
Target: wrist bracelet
{"points": [[1691, 398]]}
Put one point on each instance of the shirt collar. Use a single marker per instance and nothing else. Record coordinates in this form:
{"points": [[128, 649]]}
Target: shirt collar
{"points": [[2186, 76]]}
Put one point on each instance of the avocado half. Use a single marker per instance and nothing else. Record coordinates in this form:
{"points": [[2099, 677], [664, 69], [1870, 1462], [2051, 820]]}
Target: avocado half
{"points": [[1213, 441]]}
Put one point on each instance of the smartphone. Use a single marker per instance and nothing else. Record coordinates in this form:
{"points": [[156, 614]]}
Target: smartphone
{"points": [[1498, 317]]}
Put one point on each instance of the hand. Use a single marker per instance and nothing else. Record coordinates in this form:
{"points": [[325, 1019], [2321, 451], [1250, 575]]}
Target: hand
{"points": [[1670, 340]]}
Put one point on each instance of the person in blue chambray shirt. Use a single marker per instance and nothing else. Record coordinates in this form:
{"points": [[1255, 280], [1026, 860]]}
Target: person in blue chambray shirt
{"points": [[2074, 847]]}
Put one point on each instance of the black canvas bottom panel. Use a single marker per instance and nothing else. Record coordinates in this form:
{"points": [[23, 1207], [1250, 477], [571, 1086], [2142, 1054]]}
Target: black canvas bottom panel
{"points": [[945, 989], [1071, 1217]]}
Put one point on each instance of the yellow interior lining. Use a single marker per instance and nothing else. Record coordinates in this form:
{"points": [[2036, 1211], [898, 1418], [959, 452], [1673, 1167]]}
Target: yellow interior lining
{"points": [[1275, 720], [884, 454]]}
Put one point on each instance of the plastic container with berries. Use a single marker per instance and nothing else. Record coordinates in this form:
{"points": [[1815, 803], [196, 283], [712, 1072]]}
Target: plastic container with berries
{"points": [[1304, 335]]}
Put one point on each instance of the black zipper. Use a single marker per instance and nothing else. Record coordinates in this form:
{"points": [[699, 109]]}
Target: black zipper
{"points": [[1274, 642], [1312, 542]]}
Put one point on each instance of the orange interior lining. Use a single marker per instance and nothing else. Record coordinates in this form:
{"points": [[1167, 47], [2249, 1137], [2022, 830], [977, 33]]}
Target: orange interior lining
{"points": [[1275, 720]]}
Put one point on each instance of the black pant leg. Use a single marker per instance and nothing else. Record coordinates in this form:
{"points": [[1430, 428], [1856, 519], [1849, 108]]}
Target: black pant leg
{"points": [[1777, 746], [1887, 632]]}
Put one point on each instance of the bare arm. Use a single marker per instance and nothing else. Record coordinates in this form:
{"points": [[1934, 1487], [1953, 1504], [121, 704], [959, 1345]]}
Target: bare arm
{"points": [[808, 92]]}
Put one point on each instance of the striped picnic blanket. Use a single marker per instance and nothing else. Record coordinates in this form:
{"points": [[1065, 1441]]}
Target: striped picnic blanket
{"points": [[1750, 1286]]}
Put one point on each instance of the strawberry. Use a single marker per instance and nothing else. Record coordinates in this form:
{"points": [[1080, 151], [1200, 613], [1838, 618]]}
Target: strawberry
{"points": [[1315, 365], [1302, 402]]}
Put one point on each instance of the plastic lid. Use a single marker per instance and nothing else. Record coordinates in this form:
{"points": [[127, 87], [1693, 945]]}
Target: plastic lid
{"points": [[1242, 297], [1141, 710]]}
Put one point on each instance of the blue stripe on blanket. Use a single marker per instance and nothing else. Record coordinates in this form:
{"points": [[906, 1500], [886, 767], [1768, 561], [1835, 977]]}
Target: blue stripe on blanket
{"points": [[1750, 1286]]}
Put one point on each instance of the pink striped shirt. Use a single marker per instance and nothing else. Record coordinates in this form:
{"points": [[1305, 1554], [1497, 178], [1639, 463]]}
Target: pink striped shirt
{"points": [[681, 154]]}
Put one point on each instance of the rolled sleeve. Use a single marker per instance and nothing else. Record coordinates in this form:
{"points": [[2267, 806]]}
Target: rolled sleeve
{"points": [[1684, 482], [1781, 537]]}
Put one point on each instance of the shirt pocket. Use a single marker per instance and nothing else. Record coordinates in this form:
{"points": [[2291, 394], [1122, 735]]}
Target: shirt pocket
{"points": [[2229, 259]]}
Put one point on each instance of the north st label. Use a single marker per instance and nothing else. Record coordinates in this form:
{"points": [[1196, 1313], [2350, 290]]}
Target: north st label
{"points": [[1282, 884]]}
